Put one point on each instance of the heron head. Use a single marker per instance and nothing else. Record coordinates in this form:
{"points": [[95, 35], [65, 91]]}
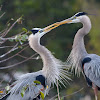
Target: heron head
{"points": [[38, 32], [74, 19], [77, 17], [35, 30], [42, 31]]}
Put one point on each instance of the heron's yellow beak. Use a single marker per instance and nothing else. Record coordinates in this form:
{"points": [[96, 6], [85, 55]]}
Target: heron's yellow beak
{"points": [[50, 27]]}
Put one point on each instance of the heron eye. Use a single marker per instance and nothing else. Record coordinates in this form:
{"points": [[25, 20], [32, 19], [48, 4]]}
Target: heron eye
{"points": [[40, 31], [34, 31]]}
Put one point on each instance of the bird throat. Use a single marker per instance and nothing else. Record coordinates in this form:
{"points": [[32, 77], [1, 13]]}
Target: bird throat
{"points": [[77, 54]]}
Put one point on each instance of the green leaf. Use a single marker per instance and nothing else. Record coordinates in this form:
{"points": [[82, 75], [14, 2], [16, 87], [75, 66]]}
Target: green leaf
{"points": [[21, 42], [22, 92], [17, 38], [26, 87], [19, 20], [42, 95], [21, 38], [20, 47], [62, 98], [24, 29], [7, 88], [24, 37], [11, 40], [8, 24], [29, 32], [38, 82]]}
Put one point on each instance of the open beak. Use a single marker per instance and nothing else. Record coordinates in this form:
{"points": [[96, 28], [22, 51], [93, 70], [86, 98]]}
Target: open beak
{"points": [[53, 26]]}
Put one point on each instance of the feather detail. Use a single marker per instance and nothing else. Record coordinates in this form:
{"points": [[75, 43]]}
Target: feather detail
{"points": [[92, 69], [78, 53], [53, 69]]}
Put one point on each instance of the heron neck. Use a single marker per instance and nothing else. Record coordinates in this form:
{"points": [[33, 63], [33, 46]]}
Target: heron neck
{"points": [[78, 43], [43, 52], [78, 51], [50, 68], [79, 37]]}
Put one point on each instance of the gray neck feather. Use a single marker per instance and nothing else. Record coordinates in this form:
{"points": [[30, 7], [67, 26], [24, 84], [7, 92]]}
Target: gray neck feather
{"points": [[52, 67], [78, 50]]}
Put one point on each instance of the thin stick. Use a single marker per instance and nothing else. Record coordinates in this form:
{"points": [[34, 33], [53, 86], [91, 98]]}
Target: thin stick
{"points": [[67, 95], [58, 91], [11, 27], [13, 55], [13, 49], [2, 15], [96, 98], [10, 66], [3, 47], [74, 92], [36, 58]]}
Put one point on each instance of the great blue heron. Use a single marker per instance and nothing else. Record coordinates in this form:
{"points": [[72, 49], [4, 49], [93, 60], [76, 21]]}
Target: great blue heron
{"points": [[79, 58], [53, 70]]}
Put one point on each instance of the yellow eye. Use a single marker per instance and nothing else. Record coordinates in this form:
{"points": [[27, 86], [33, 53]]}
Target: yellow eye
{"points": [[75, 17], [40, 31]]}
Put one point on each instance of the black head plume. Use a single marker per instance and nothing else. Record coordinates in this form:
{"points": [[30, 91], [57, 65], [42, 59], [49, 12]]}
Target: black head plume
{"points": [[34, 31], [80, 14]]}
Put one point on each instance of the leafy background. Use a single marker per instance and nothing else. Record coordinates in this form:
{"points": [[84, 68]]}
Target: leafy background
{"points": [[40, 13]]}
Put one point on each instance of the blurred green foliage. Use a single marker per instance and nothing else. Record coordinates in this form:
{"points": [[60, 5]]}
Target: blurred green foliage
{"points": [[40, 13]]}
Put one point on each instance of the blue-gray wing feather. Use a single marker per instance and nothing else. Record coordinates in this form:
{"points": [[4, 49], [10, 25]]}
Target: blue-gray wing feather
{"points": [[92, 69], [31, 92]]}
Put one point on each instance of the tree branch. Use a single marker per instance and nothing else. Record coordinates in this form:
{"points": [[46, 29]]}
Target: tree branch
{"points": [[17, 63], [13, 49], [13, 55], [58, 91], [2, 15], [67, 95]]}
